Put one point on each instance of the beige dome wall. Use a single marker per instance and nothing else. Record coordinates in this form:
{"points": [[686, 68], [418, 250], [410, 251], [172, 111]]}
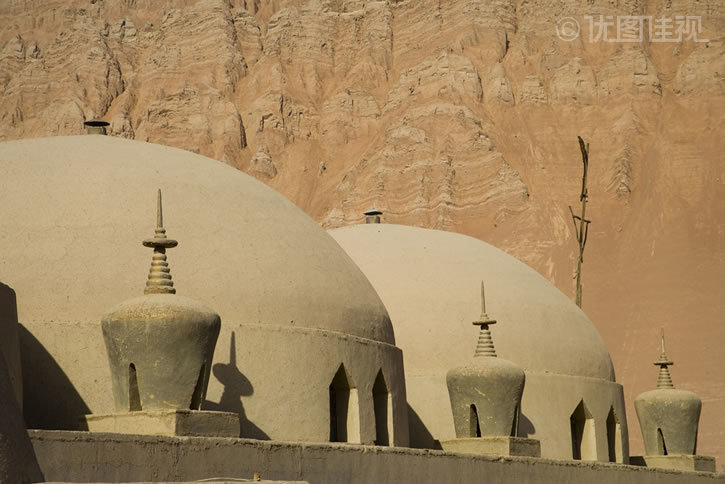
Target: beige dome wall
{"points": [[430, 282], [272, 361], [74, 212]]}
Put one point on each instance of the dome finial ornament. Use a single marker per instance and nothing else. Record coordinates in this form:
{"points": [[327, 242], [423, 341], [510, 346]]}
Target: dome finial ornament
{"points": [[485, 342], [485, 399], [160, 351], [669, 420], [664, 380], [159, 279]]}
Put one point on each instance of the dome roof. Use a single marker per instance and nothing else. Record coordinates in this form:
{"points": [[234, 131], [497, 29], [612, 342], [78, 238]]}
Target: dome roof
{"points": [[74, 211], [429, 281]]}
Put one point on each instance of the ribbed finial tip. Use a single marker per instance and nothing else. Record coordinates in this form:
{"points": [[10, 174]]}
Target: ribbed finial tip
{"points": [[159, 211], [159, 278], [664, 380], [159, 239]]}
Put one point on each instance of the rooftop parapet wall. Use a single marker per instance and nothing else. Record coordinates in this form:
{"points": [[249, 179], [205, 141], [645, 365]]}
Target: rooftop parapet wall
{"points": [[86, 457]]}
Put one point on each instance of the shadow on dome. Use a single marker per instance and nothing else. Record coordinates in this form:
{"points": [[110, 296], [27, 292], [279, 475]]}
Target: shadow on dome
{"points": [[526, 427], [236, 386], [420, 436], [52, 398]]}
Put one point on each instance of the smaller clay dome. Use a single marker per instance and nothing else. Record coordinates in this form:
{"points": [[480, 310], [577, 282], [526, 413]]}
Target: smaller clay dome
{"points": [[428, 280]]}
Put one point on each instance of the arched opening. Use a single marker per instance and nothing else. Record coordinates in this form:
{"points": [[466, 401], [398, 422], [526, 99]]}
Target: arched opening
{"points": [[383, 407], [134, 399], [475, 425], [344, 408], [661, 446], [614, 437], [583, 440], [196, 396]]}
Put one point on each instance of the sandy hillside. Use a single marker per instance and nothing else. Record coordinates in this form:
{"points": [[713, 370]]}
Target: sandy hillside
{"points": [[460, 115]]}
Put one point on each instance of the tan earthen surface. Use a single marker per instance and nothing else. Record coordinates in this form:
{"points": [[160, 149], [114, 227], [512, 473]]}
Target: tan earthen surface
{"points": [[680, 462], [189, 423], [82, 456], [504, 446]]}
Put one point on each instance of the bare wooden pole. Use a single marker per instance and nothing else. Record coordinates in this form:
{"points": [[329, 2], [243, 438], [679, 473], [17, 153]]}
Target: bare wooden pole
{"points": [[581, 224]]}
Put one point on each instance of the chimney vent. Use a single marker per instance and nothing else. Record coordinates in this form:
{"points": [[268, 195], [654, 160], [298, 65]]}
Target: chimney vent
{"points": [[95, 126], [373, 216]]}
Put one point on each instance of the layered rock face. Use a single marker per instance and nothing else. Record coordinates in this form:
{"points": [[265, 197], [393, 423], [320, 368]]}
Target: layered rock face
{"points": [[460, 115]]}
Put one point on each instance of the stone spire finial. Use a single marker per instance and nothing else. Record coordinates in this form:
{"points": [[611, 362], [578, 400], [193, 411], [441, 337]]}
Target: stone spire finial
{"points": [[493, 413], [664, 380], [669, 418], [159, 280], [485, 342]]}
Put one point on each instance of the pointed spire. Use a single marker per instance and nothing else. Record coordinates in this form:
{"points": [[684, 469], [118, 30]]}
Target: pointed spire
{"points": [[664, 380], [159, 279], [485, 342]]}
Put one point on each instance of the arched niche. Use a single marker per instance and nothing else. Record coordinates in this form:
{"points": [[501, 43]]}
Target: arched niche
{"points": [[383, 407], [614, 437], [344, 408], [583, 438]]}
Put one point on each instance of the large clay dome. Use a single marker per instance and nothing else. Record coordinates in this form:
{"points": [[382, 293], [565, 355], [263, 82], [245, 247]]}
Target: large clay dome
{"points": [[429, 281], [75, 209], [295, 309]]}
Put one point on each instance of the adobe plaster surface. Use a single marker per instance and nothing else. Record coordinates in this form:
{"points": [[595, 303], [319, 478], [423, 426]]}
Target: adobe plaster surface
{"points": [[429, 281], [190, 423], [504, 446], [546, 406], [701, 463], [240, 379], [87, 457], [167, 342], [494, 386], [669, 420], [278, 281], [215, 481]]}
